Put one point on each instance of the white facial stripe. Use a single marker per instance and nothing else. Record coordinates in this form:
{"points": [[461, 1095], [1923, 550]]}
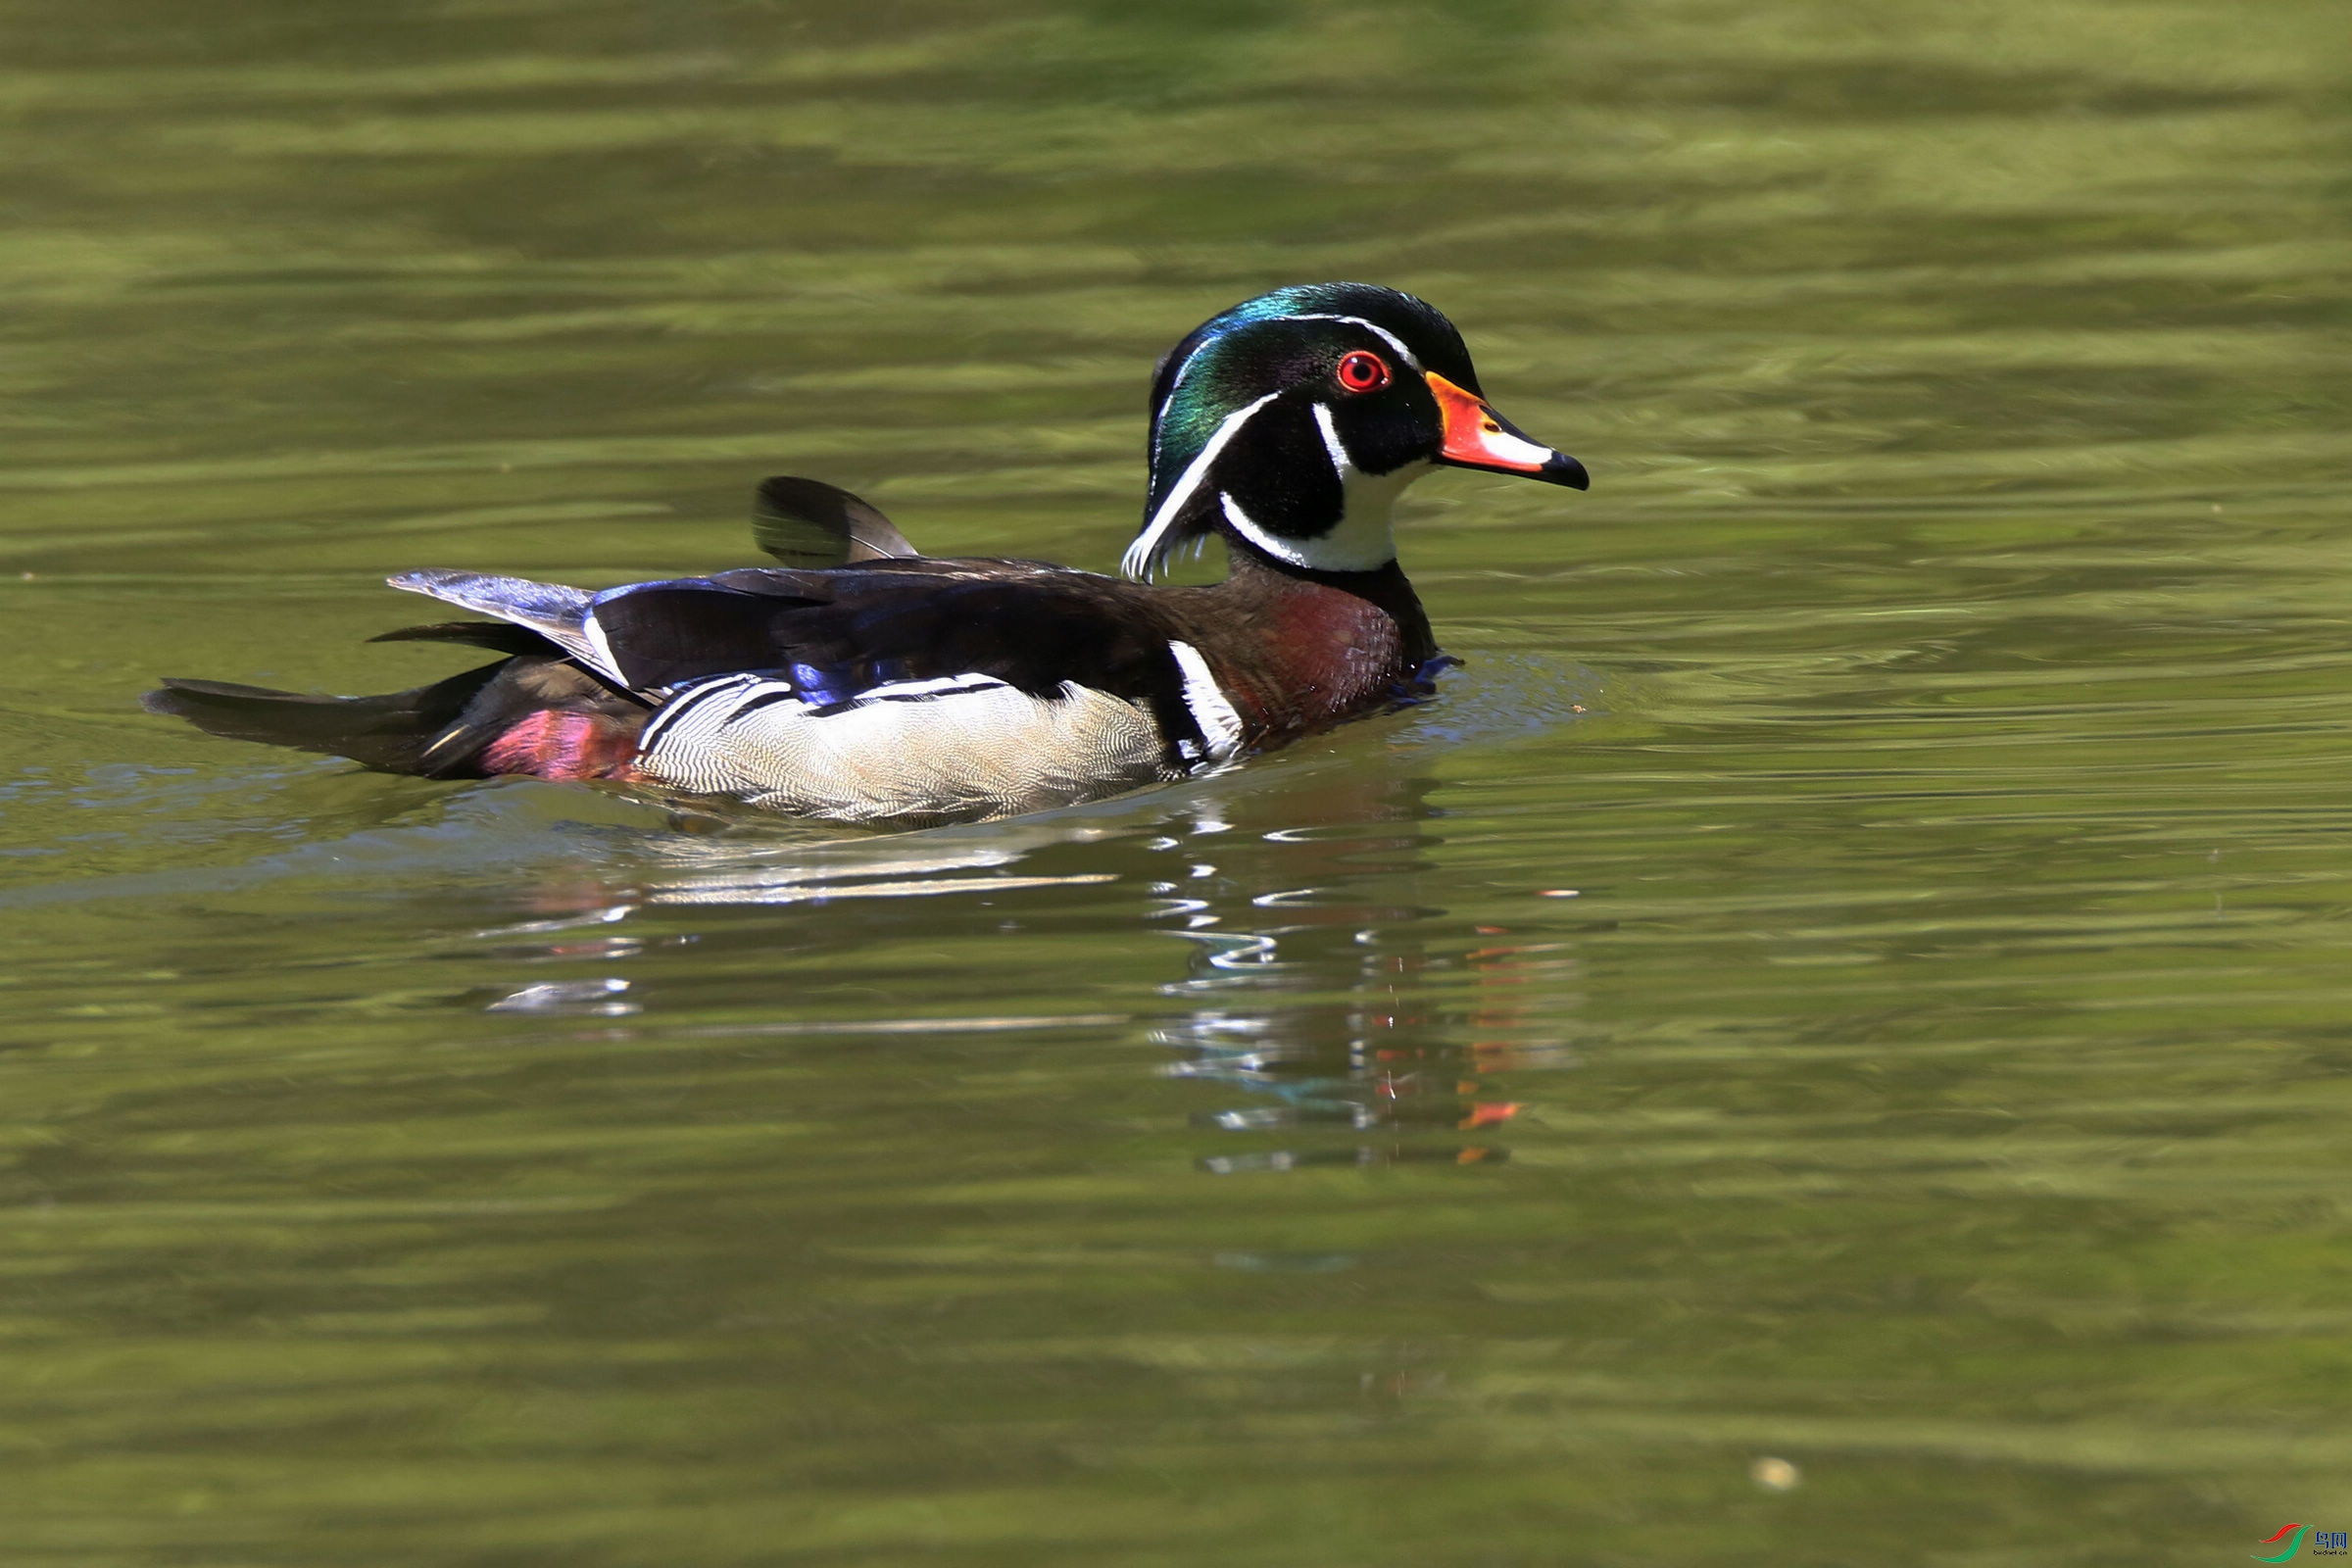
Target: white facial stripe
{"points": [[1145, 553], [1340, 462], [1387, 336], [1374, 328], [1220, 723], [1280, 549]]}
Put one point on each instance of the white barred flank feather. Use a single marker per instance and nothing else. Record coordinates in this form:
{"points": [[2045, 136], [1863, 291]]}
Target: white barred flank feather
{"points": [[960, 748]]}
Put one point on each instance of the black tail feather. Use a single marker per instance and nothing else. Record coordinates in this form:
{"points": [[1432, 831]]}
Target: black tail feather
{"points": [[392, 732], [499, 636], [450, 729]]}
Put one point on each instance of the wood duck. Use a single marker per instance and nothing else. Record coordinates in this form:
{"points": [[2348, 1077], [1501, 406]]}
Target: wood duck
{"points": [[862, 682]]}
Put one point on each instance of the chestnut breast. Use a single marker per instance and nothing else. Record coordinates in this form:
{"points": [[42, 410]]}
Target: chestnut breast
{"points": [[1296, 654]]}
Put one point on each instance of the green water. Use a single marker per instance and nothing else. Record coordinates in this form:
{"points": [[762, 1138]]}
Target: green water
{"points": [[1939, 710]]}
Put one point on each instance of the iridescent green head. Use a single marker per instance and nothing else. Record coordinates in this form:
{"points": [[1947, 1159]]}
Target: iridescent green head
{"points": [[1291, 423]]}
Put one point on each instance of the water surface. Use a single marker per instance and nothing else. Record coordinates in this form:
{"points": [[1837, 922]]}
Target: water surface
{"points": [[1853, 970]]}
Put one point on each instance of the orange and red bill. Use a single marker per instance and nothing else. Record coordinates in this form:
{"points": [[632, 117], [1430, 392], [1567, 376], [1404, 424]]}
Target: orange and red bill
{"points": [[1477, 437]]}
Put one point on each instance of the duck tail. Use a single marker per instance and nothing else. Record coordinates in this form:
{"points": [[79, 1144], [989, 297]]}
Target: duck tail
{"points": [[529, 713]]}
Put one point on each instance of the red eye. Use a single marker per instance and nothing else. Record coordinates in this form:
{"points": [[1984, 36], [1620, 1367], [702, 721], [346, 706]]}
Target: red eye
{"points": [[1362, 372]]}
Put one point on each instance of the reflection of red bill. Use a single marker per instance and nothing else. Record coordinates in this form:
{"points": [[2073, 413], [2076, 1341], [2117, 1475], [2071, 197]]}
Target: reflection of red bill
{"points": [[1477, 437]]}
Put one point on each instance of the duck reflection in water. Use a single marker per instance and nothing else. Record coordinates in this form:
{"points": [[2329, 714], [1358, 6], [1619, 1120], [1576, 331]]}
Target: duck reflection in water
{"points": [[1324, 987], [1364, 1025]]}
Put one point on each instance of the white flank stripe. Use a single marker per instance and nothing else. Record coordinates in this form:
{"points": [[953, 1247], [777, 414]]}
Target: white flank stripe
{"points": [[695, 696], [1220, 724], [1145, 553], [939, 684]]}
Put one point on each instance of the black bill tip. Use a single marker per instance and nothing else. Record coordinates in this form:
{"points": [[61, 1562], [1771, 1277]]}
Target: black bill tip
{"points": [[1561, 468]]}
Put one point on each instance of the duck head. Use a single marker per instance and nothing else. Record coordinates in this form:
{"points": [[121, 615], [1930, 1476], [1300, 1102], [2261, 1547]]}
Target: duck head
{"points": [[1292, 420]]}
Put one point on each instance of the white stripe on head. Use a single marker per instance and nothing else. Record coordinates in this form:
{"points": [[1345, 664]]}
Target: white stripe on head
{"points": [[1374, 328], [1186, 364], [1340, 462], [1220, 722], [1149, 545], [1274, 545]]}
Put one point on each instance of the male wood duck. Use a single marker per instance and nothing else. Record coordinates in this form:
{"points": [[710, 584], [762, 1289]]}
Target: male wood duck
{"points": [[863, 682]]}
